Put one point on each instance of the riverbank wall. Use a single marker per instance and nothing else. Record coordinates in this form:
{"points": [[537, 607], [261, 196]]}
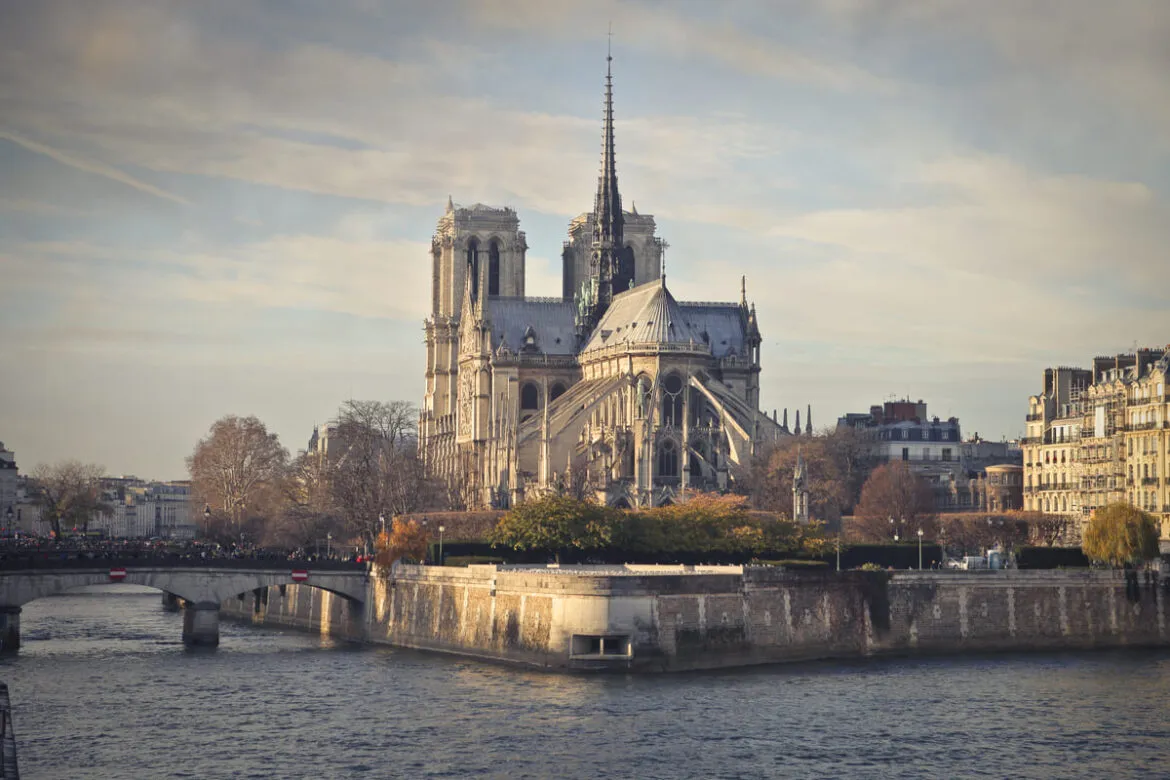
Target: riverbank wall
{"points": [[666, 618]]}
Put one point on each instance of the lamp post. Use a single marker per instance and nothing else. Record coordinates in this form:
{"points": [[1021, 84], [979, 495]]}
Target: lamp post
{"points": [[919, 549], [382, 520], [441, 529], [329, 545], [8, 521]]}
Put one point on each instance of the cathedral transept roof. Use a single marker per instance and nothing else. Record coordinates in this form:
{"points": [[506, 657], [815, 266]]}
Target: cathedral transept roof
{"points": [[551, 321]]}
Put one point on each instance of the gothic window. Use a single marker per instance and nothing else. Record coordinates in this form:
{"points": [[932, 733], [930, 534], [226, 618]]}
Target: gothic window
{"points": [[473, 266], [672, 402], [494, 268], [667, 459], [556, 392], [529, 396]]}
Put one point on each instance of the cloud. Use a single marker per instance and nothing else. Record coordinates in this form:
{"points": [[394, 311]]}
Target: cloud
{"points": [[90, 166], [662, 31], [368, 277]]}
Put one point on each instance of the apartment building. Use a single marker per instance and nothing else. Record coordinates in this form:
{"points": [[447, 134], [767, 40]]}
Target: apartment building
{"points": [[1100, 435], [957, 471]]}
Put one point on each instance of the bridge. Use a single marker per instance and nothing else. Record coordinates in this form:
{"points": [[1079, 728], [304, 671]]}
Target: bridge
{"points": [[198, 585]]}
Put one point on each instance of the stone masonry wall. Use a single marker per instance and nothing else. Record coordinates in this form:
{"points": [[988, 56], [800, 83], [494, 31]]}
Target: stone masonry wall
{"points": [[728, 616], [299, 606]]}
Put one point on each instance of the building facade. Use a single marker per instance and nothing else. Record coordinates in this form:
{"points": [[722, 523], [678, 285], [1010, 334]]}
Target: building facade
{"points": [[614, 390], [1100, 435], [8, 481], [957, 471]]}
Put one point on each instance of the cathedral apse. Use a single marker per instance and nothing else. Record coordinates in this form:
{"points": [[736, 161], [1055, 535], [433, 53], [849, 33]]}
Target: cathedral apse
{"points": [[615, 390]]}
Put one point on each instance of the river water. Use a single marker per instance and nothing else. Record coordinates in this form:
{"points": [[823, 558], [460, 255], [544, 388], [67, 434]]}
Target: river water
{"points": [[103, 688]]}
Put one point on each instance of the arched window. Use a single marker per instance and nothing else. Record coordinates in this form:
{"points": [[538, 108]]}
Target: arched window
{"points": [[494, 268], [672, 402], [556, 391], [529, 396], [473, 267], [667, 459]]}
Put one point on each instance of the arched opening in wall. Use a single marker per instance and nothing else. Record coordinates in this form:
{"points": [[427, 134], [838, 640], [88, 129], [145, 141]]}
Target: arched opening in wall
{"points": [[701, 413], [672, 400], [529, 397], [556, 391], [473, 266], [494, 268], [667, 459]]}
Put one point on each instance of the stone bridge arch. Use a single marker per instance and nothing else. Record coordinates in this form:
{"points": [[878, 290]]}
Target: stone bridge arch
{"points": [[201, 589]]}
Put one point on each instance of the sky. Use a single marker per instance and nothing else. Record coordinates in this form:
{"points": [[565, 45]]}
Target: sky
{"points": [[225, 207]]}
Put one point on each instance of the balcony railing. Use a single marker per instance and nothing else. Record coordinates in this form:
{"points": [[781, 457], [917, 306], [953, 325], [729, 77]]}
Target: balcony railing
{"points": [[1150, 480], [1034, 418]]}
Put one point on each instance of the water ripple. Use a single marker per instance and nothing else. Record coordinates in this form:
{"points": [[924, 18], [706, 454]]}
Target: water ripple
{"points": [[103, 687]]}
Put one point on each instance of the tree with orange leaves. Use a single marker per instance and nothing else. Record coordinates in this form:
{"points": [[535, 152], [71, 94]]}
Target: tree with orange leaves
{"points": [[407, 539]]}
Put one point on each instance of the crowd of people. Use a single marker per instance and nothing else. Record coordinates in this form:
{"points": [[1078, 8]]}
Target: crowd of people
{"points": [[82, 548]]}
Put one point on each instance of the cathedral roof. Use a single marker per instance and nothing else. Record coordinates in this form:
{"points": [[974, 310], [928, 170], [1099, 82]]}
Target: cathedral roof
{"points": [[647, 314], [721, 325], [551, 321]]}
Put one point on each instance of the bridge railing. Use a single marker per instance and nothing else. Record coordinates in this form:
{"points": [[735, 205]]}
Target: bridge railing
{"points": [[64, 561]]}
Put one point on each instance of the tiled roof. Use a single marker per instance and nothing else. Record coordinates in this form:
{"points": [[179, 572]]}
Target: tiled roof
{"points": [[551, 320]]}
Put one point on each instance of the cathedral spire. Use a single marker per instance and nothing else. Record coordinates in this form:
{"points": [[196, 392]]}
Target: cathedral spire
{"points": [[607, 207]]}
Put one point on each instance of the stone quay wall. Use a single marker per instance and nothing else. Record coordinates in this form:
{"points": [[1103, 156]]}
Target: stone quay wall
{"points": [[299, 606], [662, 618]]}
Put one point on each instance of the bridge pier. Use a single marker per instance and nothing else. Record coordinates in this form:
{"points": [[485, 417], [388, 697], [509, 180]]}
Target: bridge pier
{"points": [[9, 629], [171, 602], [201, 624]]}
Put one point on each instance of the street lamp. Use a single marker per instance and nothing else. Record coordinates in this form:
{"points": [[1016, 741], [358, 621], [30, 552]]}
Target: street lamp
{"points": [[382, 520], [919, 549], [329, 545], [8, 521], [441, 529]]}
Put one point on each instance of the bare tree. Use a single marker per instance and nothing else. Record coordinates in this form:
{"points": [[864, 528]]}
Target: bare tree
{"points": [[894, 492], [375, 470], [307, 511], [1046, 530], [69, 493], [236, 471], [770, 479]]}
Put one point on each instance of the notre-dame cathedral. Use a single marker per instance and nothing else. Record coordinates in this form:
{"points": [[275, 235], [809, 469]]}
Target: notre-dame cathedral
{"points": [[613, 390]]}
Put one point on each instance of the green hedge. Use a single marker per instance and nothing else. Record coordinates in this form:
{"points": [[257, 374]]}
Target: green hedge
{"points": [[1051, 558]]}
